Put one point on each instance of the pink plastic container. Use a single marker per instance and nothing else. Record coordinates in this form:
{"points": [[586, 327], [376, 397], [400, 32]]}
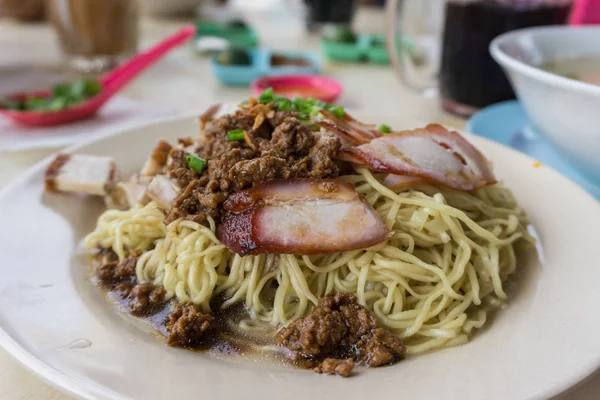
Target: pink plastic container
{"points": [[315, 86]]}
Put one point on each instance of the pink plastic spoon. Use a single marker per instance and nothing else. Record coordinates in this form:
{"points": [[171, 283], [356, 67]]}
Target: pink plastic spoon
{"points": [[111, 84]]}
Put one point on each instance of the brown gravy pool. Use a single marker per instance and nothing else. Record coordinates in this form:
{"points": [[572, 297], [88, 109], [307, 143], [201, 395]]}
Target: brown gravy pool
{"points": [[221, 340]]}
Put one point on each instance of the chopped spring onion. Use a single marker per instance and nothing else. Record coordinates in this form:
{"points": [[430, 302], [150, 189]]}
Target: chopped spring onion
{"points": [[196, 163], [338, 111], [63, 96], [321, 104], [236, 134], [283, 104], [383, 128], [266, 96], [305, 107]]}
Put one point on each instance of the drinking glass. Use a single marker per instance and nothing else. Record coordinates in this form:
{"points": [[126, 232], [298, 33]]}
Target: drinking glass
{"points": [[95, 35], [440, 47], [25, 10]]}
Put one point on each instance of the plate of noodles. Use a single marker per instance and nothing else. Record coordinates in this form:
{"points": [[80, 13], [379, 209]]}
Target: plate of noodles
{"points": [[284, 249]]}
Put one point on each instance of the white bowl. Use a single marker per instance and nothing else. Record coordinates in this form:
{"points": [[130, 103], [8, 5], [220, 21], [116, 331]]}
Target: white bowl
{"points": [[566, 111]]}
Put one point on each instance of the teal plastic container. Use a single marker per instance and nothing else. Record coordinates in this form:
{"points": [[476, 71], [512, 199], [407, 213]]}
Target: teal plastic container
{"points": [[313, 63], [243, 37], [239, 75], [260, 65]]}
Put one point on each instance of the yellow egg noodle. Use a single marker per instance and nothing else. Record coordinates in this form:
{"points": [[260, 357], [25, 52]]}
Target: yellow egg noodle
{"points": [[431, 283]]}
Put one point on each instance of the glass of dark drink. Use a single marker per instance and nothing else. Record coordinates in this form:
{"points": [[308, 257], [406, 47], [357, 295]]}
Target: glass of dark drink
{"points": [[329, 11], [442, 46]]}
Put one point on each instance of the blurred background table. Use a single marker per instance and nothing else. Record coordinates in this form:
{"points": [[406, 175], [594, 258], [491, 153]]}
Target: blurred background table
{"points": [[183, 82]]}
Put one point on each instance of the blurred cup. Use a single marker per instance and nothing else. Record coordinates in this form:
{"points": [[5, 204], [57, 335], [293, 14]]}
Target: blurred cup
{"points": [[441, 47], [23, 10], [331, 11], [95, 35]]}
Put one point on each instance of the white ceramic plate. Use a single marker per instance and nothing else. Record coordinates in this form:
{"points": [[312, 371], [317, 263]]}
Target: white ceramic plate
{"points": [[59, 325]]}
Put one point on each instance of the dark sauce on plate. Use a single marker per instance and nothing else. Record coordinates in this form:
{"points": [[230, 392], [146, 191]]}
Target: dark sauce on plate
{"points": [[318, 342], [221, 339]]}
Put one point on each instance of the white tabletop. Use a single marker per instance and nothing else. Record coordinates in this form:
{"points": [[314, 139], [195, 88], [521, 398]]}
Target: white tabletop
{"points": [[183, 82]]}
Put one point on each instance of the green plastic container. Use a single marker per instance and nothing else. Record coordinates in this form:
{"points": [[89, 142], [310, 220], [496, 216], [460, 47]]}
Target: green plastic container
{"points": [[245, 37], [364, 49], [377, 53], [346, 52]]}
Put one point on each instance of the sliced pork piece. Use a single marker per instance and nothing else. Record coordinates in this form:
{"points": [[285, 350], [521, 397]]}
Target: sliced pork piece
{"points": [[129, 193], [290, 190], [300, 216], [401, 182], [347, 137], [370, 129], [158, 159], [345, 155], [358, 130], [81, 173], [163, 191], [432, 153]]}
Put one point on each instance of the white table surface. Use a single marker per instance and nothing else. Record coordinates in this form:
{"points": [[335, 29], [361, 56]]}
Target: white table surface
{"points": [[183, 82]]}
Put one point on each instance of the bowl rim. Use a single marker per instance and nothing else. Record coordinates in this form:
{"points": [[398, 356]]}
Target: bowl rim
{"points": [[332, 89], [507, 61]]}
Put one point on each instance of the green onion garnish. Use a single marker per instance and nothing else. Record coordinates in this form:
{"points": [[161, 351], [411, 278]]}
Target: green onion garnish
{"points": [[307, 108], [383, 128], [302, 104], [320, 104], [338, 111], [266, 96], [10, 104], [196, 163], [63, 96], [236, 134], [282, 105], [57, 104]]}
